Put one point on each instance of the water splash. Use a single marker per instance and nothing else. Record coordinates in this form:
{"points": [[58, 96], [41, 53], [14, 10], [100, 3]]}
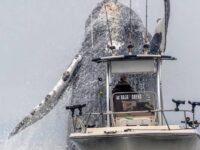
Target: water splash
{"points": [[49, 133]]}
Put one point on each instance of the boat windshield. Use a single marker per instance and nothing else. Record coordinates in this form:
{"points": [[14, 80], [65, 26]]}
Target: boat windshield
{"points": [[132, 101]]}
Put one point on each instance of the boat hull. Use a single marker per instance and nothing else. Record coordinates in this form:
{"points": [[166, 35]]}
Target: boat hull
{"points": [[145, 141]]}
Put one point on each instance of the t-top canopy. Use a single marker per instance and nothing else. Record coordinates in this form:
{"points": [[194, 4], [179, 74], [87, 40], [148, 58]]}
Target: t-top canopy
{"points": [[133, 63], [133, 57]]}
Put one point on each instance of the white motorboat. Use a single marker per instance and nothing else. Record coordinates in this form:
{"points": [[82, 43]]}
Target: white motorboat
{"points": [[135, 120]]}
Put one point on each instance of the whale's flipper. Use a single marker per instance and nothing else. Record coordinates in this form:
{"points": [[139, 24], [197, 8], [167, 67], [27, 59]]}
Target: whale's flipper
{"points": [[159, 40], [50, 100]]}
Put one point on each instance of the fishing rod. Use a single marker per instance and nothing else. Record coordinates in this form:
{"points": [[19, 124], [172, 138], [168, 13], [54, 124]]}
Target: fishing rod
{"points": [[109, 32], [130, 46]]}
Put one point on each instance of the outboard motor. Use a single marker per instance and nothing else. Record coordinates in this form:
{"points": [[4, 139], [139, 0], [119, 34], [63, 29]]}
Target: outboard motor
{"points": [[178, 103]]}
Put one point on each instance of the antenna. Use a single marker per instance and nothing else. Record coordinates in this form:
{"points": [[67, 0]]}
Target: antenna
{"points": [[146, 22], [146, 40], [92, 32], [109, 31], [130, 46]]}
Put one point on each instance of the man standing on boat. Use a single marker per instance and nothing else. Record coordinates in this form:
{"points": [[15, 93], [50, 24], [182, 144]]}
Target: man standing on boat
{"points": [[123, 85]]}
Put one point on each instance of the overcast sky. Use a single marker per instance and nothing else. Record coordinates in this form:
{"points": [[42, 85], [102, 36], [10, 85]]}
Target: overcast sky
{"points": [[38, 39]]}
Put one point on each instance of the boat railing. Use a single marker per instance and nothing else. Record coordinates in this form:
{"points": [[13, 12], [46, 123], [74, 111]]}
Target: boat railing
{"points": [[81, 122], [150, 111]]}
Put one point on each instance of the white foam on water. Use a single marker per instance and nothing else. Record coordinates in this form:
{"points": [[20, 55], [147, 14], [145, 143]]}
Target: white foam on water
{"points": [[48, 133]]}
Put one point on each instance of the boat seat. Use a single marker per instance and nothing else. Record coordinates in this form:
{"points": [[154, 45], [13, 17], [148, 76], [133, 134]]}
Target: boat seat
{"points": [[139, 119]]}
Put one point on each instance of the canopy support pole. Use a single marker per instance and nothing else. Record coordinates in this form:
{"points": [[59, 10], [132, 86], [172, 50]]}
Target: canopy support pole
{"points": [[161, 97], [159, 103], [108, 77]]}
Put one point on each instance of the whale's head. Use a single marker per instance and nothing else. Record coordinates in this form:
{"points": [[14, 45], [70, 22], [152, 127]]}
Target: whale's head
{"points": [[109, 24]]}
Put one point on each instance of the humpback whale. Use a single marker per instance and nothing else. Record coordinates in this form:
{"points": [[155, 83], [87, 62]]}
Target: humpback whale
{"points": [[82, 76]]}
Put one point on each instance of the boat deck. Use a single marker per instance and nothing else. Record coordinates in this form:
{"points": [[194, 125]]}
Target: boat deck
{"points": [[134, 131]]}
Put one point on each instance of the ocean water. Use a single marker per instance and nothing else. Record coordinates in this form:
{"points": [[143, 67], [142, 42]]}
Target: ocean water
{"points": [[1, 144], [49, 133]]}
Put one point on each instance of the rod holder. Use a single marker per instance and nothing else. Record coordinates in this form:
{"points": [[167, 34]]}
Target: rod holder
{"points": [[194, 104], [178, 103], [72, 108]]}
